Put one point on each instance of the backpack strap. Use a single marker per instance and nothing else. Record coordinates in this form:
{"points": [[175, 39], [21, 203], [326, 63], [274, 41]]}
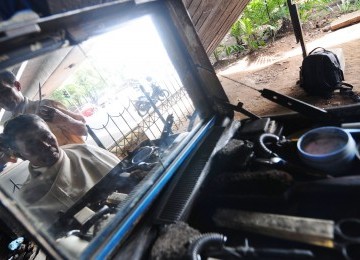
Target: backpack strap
{"points": [[343, 86], [346, 89], [325, 50], [316, 49]]}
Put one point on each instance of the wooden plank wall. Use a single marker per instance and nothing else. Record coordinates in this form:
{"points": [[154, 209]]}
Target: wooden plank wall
{"points": [[213, 19]]}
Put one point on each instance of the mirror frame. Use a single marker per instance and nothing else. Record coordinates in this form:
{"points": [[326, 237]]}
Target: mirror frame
{"points": [[190, 61]]}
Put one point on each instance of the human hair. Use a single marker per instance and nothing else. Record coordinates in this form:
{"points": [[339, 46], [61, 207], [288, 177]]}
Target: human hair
{"points": [[18, 125], [7, 77]]}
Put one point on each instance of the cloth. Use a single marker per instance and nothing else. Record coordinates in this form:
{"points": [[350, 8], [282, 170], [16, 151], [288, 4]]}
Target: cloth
{"points": [[63, 135], [50, 190]]}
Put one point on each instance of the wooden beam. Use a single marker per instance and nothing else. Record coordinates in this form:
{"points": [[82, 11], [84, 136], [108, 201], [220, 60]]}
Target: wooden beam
{"points": [[345, 20]]}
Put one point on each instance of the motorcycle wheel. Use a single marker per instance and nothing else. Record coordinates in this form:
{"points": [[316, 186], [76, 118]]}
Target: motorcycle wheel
{"points": [[142, 108], [163, 94]]}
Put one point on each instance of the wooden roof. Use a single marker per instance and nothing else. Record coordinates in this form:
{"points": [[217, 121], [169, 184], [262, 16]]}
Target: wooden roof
{"points": [[213, 19]]}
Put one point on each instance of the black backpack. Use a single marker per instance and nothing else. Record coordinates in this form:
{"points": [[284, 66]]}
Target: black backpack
{"points": [[321, 75]]}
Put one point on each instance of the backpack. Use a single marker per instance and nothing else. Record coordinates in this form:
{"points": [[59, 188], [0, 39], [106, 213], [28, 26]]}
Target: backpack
{"points": [[321, 75]]}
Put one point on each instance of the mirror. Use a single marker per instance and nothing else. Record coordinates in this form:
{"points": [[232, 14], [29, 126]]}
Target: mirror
{"points": [[136, 108]]}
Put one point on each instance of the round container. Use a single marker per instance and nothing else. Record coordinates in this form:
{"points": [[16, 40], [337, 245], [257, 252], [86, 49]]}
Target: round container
{"points": [[143, 154], [330, 149]]}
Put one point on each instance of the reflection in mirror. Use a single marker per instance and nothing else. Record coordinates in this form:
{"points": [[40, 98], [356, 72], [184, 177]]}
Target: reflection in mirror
{"points": [[122, 99]]}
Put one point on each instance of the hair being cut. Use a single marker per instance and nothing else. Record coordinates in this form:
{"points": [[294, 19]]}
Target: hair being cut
{"points": [[17, 125], [7, 77]]}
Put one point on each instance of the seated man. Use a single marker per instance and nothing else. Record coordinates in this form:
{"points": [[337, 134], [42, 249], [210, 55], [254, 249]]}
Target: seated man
{"points": [[59, 176]]}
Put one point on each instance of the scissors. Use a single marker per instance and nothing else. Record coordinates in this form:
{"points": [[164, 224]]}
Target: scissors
{"points": [[347, 238]]}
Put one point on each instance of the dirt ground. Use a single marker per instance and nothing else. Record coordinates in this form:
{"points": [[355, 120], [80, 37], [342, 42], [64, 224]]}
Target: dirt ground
{"points": [[277, 66]]}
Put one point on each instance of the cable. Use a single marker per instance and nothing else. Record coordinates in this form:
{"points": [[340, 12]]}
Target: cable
{"points": [[203, 241], [258, 90]]}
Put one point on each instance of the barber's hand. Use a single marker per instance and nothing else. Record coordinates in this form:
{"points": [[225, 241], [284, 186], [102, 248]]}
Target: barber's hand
{"points": [[51, 114], [64, 119], [47, 113], [5, 154], [6, 157]]}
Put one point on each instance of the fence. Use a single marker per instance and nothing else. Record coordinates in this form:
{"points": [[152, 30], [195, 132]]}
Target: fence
{"points": [[133, 124]]}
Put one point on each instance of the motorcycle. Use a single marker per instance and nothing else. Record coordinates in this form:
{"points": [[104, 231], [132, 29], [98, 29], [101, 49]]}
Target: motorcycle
{"points": [[143, 105]]}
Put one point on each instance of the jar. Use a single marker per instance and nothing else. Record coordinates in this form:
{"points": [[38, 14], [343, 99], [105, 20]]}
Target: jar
{"points": [[330, 149]]}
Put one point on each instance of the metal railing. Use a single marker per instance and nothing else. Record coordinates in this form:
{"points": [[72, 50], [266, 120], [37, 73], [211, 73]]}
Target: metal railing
{"points": [[123, 131]]}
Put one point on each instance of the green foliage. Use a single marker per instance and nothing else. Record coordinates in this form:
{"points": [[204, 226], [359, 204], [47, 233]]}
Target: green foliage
{"points": [[279, 12], [308, 7], [269, 14], [249, 36], [347, 6], [236, 31], [217, 52], [85, 87], [234, 49], [257, 13], [357, 4]]}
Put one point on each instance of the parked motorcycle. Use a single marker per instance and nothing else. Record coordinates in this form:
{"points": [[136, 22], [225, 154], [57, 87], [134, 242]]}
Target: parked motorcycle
{"points": [[143, 105]]}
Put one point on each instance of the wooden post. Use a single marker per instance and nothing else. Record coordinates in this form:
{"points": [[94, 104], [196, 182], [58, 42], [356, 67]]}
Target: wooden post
{"points": [[295, 20]]}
